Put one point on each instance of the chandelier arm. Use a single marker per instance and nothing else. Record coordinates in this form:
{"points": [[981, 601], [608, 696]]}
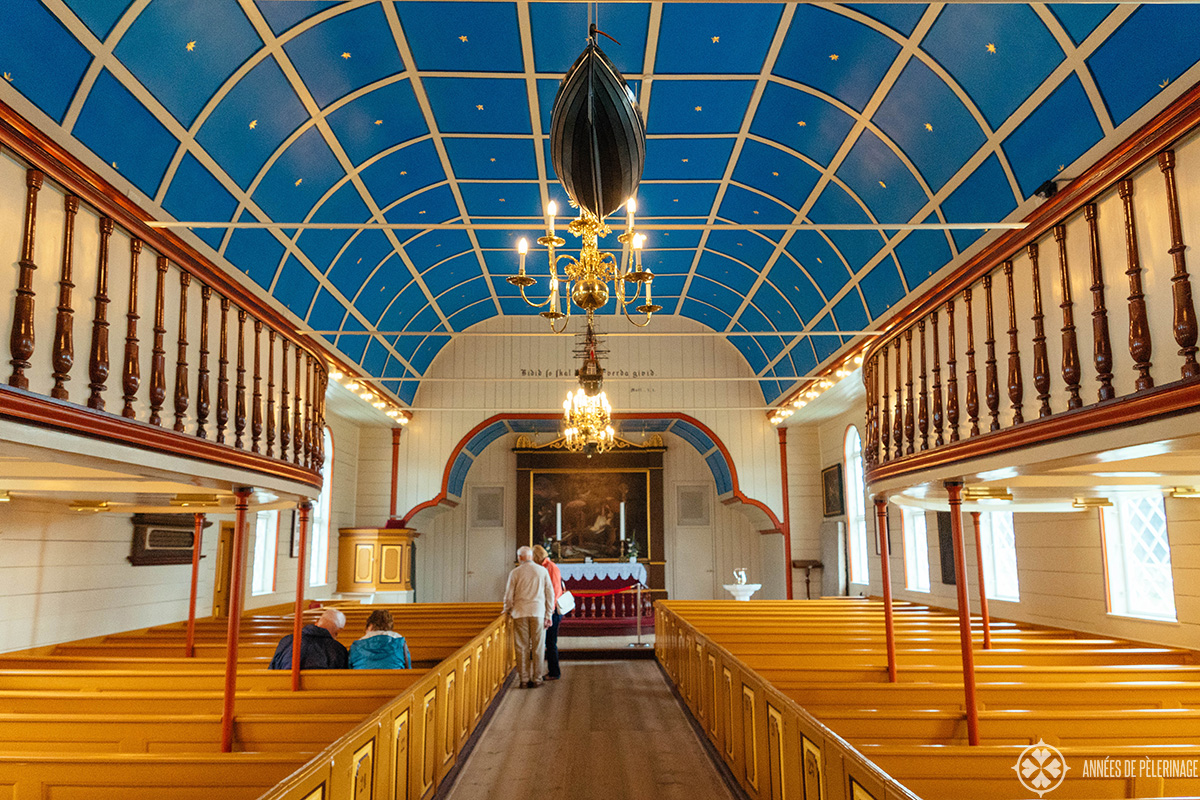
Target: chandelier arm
{"points": [[566, 318], [634, 322], [530, 302]]}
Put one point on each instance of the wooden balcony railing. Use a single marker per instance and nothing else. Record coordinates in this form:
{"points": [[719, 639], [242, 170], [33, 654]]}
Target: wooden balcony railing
{"points": [[1112, 245], [239, 390]]}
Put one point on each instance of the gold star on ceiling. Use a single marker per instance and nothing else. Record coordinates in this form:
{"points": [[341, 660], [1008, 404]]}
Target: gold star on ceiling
{"points": [[8, 77], [833, 56], [884, 185], [378, 122], [115, 165], [928, 126], [299, 181], [684, 160], [462, 38], [253, 124], [716, 39], [802, 123], [403, 172], [776, 174], [422, 211], [191, 45], [1061, 167], [492, 160], [697, 108], [479, 108], [501, 199], [991, 48], [1163, 85], [345, 55]]}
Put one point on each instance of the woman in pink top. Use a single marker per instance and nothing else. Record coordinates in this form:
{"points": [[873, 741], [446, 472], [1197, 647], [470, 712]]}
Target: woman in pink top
{"points": [[540, 556]]}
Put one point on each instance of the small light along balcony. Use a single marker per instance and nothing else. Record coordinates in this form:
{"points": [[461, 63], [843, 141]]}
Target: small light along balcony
{"points": [[123, 333], [1081, 323]]}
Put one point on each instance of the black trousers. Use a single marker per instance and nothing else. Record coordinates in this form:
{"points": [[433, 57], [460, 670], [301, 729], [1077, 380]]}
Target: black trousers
{"points": [[552, 668]]}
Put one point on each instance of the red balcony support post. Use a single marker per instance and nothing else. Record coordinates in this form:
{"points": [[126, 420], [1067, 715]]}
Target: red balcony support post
{"points": [[241, 504], [301, 569], [954, 489], [395, 470], [983, 608], [787, 519], [190, 649], [889, 627]]}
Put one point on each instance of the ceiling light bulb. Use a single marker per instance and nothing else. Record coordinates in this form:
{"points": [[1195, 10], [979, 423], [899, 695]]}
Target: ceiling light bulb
{"points": [[336, 375], [366, 395], [404, 420], [858, 359], [352, 386], [379, 404], [5, 497]]}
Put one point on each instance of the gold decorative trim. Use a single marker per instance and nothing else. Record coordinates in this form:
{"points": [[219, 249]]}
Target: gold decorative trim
{"points": [[652, 442]]}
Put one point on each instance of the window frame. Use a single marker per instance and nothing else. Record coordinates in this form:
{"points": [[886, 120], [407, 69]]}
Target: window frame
{"points": [[988, 552], [858, 539], [1119, 561], [264, 570], [319, 520], [914, 555]]}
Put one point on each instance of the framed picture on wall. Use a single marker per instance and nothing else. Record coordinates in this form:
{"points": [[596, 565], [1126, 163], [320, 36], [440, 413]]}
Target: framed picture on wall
{"points": [[831, 491], [591, 511]]}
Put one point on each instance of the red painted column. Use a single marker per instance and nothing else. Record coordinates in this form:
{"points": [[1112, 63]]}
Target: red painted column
{"points": [[954, 489], [787, 516], [301, 569], [236, 581], [190, 647], [886, 574], [983, 609], [395, 469]]}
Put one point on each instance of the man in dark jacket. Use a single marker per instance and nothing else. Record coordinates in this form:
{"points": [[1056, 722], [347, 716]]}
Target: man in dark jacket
{"points": [[319, 648]]}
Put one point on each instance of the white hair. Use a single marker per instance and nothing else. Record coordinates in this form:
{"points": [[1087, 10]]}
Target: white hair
{"points": [[335, 616], [524, 553]]}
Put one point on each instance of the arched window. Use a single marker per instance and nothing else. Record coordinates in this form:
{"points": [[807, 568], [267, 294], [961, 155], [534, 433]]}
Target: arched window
{"points": [[318, 573], [856, 507]]}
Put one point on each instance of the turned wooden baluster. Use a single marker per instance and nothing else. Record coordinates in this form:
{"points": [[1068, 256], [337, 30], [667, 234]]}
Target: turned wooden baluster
{"points": [[1016, 388], [284, 433], [871, 378], [1071, 371], [271, 392], [98, 357], [885, 428], [952, 376], [131, 376], [923, 406], [64, 323], [319, 433], [256, 420], [202, 375], [1181, 285], [1041, 362], [308, 406], [223, 373], [869, 418], [22, 339], [181, 362], [972, 384], [909, 422], [938, 419], [1139, 323], [239, 402], [158, 356], [297, 430], [898, 420], [991, 380], [1103, 346]]}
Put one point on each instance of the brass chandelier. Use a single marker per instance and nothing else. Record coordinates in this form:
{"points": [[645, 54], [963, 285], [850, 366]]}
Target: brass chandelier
{"points": [[587, 416], [585, 281]]}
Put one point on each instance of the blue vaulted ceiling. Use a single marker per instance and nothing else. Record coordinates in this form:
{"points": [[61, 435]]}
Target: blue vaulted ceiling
{"points": [[433, 116]]}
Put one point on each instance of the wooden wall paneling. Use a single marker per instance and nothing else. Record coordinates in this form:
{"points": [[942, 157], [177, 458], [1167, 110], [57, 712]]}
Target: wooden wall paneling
{"points": [[1101, 344], [256, 413], [1071, 371], [239, 394], [938, 418], [951, 374], [1140, 345], [972, 383], [202, 396], [1016, 387], [158, 378], [923, 406], [991, 381], [131, 371], [1184, 310], [271, 392], [21, 342], [181, 356], [1041, 362], [909, 422], [64, 338]]}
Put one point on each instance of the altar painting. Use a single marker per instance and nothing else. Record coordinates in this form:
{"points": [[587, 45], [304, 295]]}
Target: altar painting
{"points": [[587, 512]]}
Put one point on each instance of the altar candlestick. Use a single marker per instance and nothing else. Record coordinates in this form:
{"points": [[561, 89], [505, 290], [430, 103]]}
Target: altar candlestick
{"points": [[558, 521], [622, 520]]}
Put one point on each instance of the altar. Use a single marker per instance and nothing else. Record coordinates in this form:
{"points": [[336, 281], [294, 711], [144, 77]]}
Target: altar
{"points": [[606, 598], [624, 572]]}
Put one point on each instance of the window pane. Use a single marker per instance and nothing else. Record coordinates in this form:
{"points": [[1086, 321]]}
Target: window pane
{"points": [[319, 569], [1138, 552], [916, 550], [266, 534], [856, 512], [999, 545]]}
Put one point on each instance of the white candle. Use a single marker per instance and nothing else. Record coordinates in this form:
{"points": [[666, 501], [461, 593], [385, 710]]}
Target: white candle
{"points": [[558, 522], [551, 212], [630, 208], [522, 248], [622, 520], [649, 297]]}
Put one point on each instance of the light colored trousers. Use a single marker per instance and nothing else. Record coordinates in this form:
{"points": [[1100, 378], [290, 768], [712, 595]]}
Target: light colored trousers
{"points": [[529, 635]]}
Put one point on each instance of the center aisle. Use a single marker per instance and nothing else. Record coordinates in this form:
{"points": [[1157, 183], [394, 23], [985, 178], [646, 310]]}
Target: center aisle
{"points": [[607, 730]]}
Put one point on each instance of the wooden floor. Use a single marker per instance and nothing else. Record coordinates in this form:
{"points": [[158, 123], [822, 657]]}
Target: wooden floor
{"points": [[607, 730]]}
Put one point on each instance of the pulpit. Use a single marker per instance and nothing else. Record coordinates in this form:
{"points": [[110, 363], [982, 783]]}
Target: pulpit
{"points": [[377, 562]]}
